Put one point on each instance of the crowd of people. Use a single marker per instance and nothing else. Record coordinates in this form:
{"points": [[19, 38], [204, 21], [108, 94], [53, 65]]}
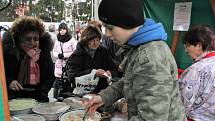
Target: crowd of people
{"points": [[132, 48]]}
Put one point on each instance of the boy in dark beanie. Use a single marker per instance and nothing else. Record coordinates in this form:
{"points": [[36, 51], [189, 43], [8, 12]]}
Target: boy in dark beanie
{"points": [[149, 83]]}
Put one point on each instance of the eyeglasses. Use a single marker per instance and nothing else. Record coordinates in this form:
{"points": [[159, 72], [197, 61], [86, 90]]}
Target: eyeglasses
{"points": [[29, 39]]}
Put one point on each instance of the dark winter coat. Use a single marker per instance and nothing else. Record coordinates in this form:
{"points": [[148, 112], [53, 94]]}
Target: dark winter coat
{"points": [[112, 49], [12, 60], [81, 63]]}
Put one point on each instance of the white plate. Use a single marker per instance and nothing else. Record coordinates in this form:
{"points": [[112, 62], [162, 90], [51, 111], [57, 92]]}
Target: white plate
{"points": [[51, 108]]}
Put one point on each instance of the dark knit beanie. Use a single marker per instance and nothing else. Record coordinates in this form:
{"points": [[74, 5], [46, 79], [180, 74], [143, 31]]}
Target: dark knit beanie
{"points": [[63, 26], [123, 13]]}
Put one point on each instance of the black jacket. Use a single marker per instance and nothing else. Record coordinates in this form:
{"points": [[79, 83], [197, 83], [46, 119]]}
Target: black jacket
{"points": [[81, 63], [12, 60], [112, 49]]}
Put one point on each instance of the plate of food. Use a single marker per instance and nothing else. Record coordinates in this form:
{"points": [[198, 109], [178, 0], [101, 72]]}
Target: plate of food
{"points": [[77, 115], [22, 105]]}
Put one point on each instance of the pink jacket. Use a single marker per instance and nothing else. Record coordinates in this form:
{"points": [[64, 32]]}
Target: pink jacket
{"points": [[68, 48]]}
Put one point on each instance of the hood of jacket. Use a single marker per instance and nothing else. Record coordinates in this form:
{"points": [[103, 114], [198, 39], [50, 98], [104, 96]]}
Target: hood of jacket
{"points": [[149, 31]]}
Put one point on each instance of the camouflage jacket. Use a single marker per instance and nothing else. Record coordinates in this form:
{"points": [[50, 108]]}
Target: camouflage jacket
{"points": [[149, 84]]}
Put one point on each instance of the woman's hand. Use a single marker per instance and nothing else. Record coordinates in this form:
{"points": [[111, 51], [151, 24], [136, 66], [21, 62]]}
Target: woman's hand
{"points": [[15, 85], [100, 72], [120, 68], [108, 74]]}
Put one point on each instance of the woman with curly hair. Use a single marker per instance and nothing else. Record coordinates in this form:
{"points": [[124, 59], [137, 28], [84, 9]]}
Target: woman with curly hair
{"points": [[28, 64]]}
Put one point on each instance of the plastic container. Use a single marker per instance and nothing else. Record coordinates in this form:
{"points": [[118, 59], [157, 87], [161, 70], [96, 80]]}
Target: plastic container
{"points": [[22, 105], [51, 110], [74, 103]]}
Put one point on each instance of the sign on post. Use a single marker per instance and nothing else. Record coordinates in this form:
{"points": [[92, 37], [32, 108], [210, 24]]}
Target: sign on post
{"points": [[182, 15]]}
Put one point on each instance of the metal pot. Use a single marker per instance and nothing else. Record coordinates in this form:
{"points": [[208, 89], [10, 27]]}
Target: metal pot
{"points": [[22, 105], [74, 103], [27, 117], [51, 110], [25, 111]]}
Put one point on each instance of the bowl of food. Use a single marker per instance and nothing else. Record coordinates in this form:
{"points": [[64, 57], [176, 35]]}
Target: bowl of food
{"points": [[74, 103], [27, 117], [22, 105], [77, 115], [51, 110]]}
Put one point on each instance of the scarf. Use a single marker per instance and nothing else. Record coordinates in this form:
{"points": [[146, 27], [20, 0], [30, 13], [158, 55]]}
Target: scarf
{"points": [[64, 38], [205, 55], [91, 52], [29, 73]]}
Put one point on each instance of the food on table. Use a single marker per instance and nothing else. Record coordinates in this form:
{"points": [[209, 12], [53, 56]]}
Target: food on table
{"points": [[21, 104], [77, 115]]}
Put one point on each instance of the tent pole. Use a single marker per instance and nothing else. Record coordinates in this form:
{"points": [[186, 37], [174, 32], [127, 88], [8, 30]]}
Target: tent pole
{"points": [[175, 42], [213, 6]]}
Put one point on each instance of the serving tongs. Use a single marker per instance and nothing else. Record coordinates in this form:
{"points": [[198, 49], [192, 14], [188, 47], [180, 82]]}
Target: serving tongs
{"points": [[85, 114]]}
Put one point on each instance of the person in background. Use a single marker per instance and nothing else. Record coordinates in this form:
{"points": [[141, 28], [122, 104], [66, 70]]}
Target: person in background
{"points": [[91, 55], [96, 23], [53, 35], [77, 30], [197, 81], [108, 43], [27, 60], [149, 82], [63, 48]]}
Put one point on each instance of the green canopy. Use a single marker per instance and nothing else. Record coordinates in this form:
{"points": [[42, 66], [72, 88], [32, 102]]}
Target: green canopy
{"points": [[163, 11]]}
